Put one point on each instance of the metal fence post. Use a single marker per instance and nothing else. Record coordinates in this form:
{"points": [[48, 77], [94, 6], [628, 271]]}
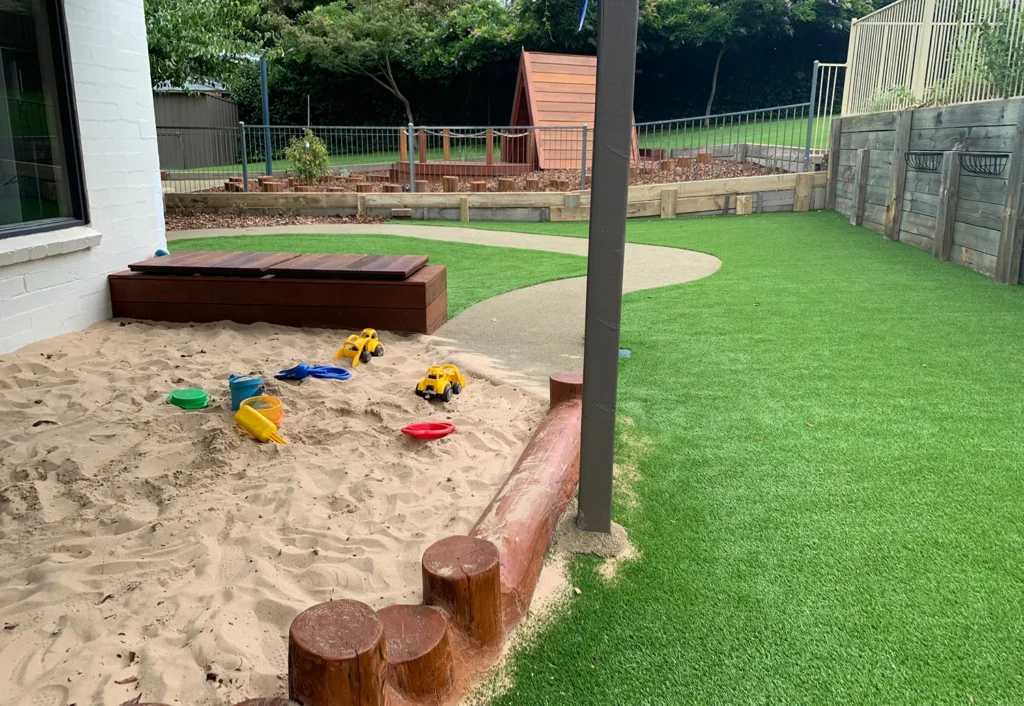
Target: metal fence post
{"points": [[245, 157], [810, 117], [412, 160], [266, 116], [583, 161]]}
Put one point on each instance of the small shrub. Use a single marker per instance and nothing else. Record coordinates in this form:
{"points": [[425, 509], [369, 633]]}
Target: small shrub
{"points": [[308, 157], [894, 98], [1001, 54]]}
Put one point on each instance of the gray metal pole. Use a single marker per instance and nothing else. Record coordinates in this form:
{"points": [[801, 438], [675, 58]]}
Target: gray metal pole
{"points": [[266, 116], [810, 117], [245, 157], [583, 161], [613, 123], [412, 159]]}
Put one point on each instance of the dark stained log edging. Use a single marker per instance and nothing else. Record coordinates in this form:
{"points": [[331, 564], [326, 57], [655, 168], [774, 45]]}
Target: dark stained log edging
{"points": [[337, 656], [475, 588], [272, 701], [462, 576], [420, 663], [565, 386], [521, 518]]}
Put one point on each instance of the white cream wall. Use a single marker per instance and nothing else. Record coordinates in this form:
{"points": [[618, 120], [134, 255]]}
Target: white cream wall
{"points": [[56, 282]]}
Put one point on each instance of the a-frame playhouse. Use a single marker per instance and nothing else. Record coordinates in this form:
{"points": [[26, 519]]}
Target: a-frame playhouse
{"points": [[555, 94]]}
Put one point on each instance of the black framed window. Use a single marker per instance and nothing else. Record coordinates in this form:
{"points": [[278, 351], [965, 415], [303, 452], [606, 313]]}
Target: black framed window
{"points": [[40, 164]]}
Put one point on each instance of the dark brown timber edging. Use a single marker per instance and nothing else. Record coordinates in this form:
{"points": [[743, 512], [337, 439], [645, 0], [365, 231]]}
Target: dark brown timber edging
{"points": [[475, 590], [521, 518]]}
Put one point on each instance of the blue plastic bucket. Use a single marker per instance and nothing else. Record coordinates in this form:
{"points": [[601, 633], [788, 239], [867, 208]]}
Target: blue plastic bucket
{"points": [[242, 388]]}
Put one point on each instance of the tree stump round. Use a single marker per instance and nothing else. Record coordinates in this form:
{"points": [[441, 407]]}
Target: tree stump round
{"points": [[668, 165], [363, 188], [633, 171], [356, 178], [462, 575], [392, 188], [478, 186], [451, 183], [532, 185], [564, 386], [420, 663], [506, 184], [337, 656], [422, 186]]}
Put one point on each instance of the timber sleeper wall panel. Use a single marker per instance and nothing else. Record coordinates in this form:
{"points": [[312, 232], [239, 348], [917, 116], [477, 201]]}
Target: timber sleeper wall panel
{"points": [[978, 213]]}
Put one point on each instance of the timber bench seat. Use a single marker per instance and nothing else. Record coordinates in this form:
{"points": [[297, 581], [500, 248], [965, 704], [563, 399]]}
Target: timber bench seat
{"points": [[391, 293]]}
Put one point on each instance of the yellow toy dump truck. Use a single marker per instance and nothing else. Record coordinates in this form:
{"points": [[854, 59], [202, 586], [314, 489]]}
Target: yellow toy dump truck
{"points": [[361, 347], [441, 380]]}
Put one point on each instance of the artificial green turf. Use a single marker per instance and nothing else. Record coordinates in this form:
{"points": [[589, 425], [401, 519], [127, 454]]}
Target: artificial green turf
{"points": [[827, 434], [475, 272]]}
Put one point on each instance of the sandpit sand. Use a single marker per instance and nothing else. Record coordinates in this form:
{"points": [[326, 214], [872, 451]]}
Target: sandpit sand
{"points": [[140, 541]]}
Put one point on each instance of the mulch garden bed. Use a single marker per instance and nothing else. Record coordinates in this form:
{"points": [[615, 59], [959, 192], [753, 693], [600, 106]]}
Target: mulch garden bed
{"points": [[177, 220]]}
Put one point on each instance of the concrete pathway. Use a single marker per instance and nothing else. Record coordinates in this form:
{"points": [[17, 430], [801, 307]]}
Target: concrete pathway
{"points": [[535, 330]]}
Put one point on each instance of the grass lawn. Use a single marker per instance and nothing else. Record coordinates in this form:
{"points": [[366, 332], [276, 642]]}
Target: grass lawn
{"points": [[827, 440], [475, 272], [791, 132]]}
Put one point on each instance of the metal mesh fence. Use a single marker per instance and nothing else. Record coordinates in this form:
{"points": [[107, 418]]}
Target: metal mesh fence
{"points": [[747, 143], [487, 158]]}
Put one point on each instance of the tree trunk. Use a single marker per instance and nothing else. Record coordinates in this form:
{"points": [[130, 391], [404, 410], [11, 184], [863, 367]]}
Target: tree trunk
{"points": [[408, 108], [714, 80], [398, 93]]}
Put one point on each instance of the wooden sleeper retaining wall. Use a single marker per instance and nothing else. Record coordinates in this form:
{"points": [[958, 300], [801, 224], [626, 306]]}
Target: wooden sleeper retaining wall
{"points": [[974, 220], [771, 193]]}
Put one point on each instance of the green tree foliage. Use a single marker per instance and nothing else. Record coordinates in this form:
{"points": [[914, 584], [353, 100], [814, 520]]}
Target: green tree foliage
{"points": [[370, 61], [463, 36], [728, 25], [1001, 55], [195, 41], [368, 37]]}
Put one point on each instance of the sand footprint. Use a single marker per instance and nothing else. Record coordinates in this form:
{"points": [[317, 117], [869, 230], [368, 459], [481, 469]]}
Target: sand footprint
{"points": [[52, 695]]}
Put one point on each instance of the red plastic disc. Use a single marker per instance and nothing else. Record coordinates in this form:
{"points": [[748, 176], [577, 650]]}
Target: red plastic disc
{"points": [[429, 430]]}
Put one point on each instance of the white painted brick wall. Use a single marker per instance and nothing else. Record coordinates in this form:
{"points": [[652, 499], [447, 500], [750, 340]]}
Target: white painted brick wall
{"points": [[59, 293]]}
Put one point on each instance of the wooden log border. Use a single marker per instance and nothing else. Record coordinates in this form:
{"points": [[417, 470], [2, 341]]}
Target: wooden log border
{"points": [[475, 589]]}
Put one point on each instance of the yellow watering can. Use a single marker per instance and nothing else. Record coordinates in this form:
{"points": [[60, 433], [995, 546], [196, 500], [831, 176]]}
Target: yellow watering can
{"points": [[258, 425]]}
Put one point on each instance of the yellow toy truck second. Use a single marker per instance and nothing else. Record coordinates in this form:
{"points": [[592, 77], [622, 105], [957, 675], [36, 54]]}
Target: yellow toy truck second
{"points": [[441, 380], [361, 347]]}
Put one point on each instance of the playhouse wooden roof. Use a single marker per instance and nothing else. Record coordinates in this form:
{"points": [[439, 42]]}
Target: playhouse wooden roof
{"points": [[557, 90]]}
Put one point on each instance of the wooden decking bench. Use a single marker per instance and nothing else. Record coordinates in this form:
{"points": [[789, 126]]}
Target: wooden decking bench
{"points": [[401, 293]]}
